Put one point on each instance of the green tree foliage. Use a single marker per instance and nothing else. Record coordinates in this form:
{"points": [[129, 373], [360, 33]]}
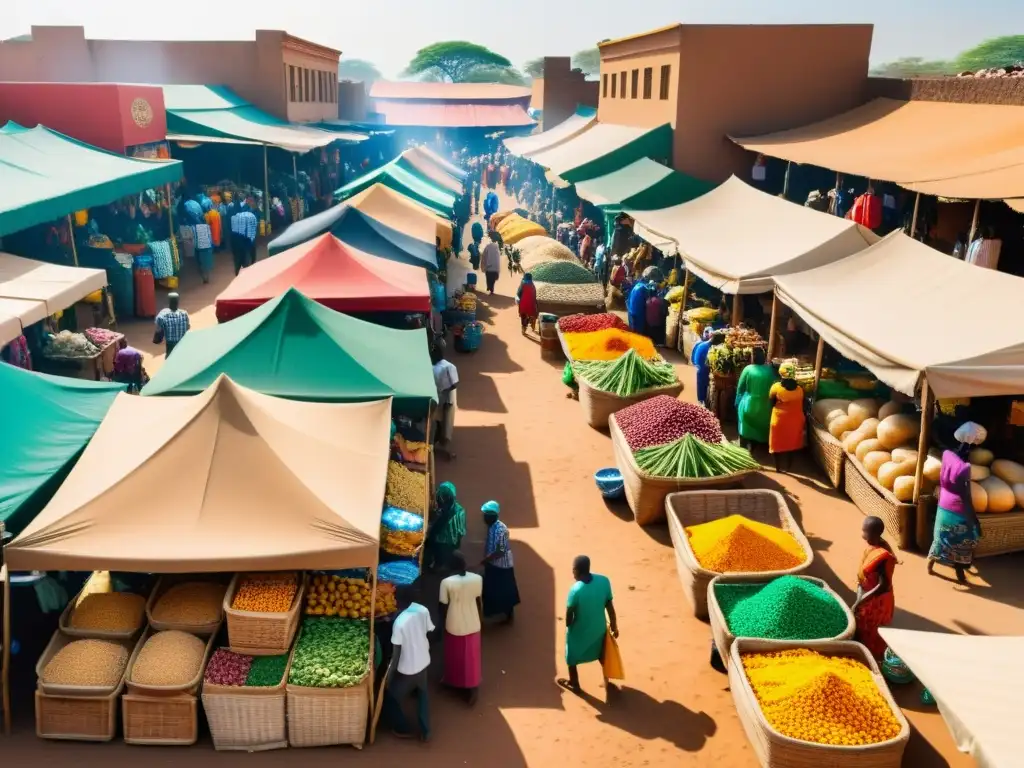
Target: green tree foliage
{"points": [[503, 75], [534, 67], [358, 70], [453, 60], [587, 61], [997, 52], [913, 66]]}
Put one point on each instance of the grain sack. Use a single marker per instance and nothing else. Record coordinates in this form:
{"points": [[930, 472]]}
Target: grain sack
{"points": [[581, 294]]}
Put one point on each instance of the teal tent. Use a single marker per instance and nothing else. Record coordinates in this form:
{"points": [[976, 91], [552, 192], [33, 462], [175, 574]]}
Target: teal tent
{"points": [[48, 420], [45, 175], [393, 176], [604, 148], [294, 347]]}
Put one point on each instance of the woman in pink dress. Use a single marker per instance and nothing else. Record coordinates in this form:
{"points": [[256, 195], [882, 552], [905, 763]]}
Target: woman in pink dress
{"points": [[461, 614]]}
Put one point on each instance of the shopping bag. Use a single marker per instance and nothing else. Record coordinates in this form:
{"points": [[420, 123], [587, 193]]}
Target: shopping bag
{"points": [[611, 661]]}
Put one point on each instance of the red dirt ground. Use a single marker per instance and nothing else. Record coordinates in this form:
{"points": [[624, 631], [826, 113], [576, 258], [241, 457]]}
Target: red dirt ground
{"points": [[520, 441]]}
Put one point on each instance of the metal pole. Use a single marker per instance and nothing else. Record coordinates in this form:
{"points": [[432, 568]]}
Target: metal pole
{"points": [[71, 234], [785, 180], [773, 330], [266, 189], [295, 175], [913, 221], [974, 221]]}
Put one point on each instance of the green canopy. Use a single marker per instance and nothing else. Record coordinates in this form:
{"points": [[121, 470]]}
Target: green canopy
{"points": [[47, 422], [294, 347], [604, 148], [45, 175], [393, 176]]}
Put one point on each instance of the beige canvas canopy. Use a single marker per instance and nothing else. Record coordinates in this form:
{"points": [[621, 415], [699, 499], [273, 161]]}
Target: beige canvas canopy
{"points": [[225, 480], [395, 210], [893, 308], [736, 238], [981, 705]]}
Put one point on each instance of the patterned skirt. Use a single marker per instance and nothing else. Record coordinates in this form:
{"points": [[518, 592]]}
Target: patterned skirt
{"points": [[954, 540]]}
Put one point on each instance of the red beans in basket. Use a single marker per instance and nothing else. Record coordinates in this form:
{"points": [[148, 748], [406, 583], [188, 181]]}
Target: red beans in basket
{"points": [[664, 419]]}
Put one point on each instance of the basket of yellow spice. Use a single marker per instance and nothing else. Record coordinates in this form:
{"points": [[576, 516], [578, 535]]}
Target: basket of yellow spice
{"points": [[263, 610], [749, 531], [815, 703]]}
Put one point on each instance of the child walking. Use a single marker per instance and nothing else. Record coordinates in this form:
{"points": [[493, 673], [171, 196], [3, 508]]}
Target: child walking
{"points": [[526, 298]]}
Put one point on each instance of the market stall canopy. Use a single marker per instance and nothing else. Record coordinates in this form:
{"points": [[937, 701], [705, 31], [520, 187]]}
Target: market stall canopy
{"points": [[56, 286], [982, 708], [528, 146], [936, 148], [1016, 204], [604, 148], [453, 115], [736, 238], [642, 185], [227, 480], [333, 273], [18, 314], [448, 166], [197, 111], [47, 175], [403, 214], [851, 303], [47, 422], [296, 348], [361, 231], [400, 180], [423, 165]]}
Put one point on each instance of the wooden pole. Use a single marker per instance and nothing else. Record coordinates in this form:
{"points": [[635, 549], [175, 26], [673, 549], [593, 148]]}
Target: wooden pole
{"points": [[923, 441], [974, 221], [71, 235], [5, 663], [913, 221], [785, 179], [373, 644], [737, 309], [380, 701], [266, 189], [817, 362], [773, 329], [170, 214]]}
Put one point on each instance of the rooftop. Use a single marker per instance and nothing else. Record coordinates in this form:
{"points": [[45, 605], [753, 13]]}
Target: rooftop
{"points": [[385, 89]]}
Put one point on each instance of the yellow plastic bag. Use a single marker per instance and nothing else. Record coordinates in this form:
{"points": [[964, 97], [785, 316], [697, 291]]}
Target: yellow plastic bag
{"points": [[81, 218], [611, 661]]}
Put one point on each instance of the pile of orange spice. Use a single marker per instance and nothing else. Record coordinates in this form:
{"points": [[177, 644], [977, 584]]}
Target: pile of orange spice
{"points": [[608, 344], [266, 593]]}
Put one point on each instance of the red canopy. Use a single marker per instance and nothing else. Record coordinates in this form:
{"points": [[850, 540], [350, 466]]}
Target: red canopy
{"points": [[332, 273], [449, 115]]}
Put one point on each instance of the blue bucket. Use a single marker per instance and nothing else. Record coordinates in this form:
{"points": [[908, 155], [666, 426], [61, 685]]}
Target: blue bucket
{"points": [[609, 482]]}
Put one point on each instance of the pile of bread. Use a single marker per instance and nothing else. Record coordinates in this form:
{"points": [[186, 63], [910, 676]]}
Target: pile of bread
{"points": [[883, 439]]}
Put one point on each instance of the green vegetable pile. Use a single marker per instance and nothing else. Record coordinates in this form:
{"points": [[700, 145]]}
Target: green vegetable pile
{"points": [[266, 671], [625, 375], [331, 653], [562, 273], [691, 457], [788, 608]]}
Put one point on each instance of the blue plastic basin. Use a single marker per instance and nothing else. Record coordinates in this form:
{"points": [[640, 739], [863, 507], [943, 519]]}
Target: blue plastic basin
{"points": [[609, 482]]}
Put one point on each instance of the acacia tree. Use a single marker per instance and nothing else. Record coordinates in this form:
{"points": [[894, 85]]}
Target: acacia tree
{"points": [[997, 52], [453, 60], [359, 70], [503, 75], [587, 61], [534, 67]]}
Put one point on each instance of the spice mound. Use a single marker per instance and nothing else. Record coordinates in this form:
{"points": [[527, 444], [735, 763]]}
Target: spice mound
{"points": [[589, 323], [788, 608], [607, 344], [739, 544], [98, 663], [406, 489], [109, 612], [266, 593], [664, 419], [169, 658], [820, 699], [191, 603]]}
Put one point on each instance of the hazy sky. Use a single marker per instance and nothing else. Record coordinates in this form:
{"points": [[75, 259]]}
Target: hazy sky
{"points": [[388, 32]]}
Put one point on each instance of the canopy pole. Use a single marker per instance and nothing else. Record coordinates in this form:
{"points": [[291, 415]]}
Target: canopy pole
{"points": [[924, 439], [170, 213], [913, 221], [266, 189], [974, 221], [785, 179], [773, 329], [295, 173], [817, 362], [71, 235], [5, 662], [737, 309], [373, 647]]}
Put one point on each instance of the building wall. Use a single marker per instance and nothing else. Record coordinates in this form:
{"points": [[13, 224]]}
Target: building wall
{"points": [[561, 90], [1007, 91], [652, 51], [353, 101]]}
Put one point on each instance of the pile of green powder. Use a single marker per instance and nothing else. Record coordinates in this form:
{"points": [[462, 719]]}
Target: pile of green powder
{"points": [[266, 671], [788, 608]]}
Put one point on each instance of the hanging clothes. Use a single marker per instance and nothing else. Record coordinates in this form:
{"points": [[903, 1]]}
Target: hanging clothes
{"points": [[984, 252]]}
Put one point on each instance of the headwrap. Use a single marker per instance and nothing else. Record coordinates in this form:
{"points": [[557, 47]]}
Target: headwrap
{"points": [[491, 506], [205, 203], [194, 211], [708, 333], [527, 278], [970, 433], [445, 495]]}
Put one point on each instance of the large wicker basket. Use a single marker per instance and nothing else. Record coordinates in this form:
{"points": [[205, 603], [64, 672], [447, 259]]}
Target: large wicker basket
{"points": [[598, 406], [59, 641], [720, 628], [262, 634], [827, 452], [160, 720], [77, 718], [646, 493], [157, 691], [247, 719], [163, 585], [696, 507], [875, 501], [774, 750], [65, 618]]}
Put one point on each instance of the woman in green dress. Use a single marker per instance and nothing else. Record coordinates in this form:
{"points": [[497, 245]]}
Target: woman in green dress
{"points": [[446, 529], [753, 404], [589, 599]]}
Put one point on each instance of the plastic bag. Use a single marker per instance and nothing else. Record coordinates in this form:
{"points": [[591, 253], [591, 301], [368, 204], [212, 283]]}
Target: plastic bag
{"points": [[401, 532], [611, 660], [398, 572], [568, 377]]}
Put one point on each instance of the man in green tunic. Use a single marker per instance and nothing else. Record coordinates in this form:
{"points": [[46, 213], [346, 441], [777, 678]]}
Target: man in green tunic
{"points": [[753, 406], [589, 599]]}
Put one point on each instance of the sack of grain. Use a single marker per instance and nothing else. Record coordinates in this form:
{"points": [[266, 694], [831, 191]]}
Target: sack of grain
{"points": [[577, 294]]}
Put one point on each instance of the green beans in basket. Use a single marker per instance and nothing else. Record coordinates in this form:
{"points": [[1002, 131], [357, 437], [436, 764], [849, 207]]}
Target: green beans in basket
{"points": [[626, 375], [691, 457]]}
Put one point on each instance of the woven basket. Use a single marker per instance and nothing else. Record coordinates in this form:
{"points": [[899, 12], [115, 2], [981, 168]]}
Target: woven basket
{"points": [[77, 718], [259, 633], [598, 406], [720, 628], [157, 691], [561, 341], [99, 634], [646, 493], [827, 452], [774, 750], [162, 586], [160, 720], [696, 507], [57, 642], [245, 718], [875, 501]]}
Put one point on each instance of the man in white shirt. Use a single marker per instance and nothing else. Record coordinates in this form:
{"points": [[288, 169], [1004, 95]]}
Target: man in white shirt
{"points": [[446, 378], [491, 258], [409, 664]]}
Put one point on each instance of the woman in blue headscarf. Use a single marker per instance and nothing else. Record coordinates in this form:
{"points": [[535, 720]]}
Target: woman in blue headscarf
{"points": [[699, 358], [501, 593]]}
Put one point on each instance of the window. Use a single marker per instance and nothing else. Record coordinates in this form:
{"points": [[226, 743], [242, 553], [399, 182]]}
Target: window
{"points": [[635, 85], [604, 85], [614, 79], [622, 80], [666, 74], [648, 81], [292, 93], [308, 87], [319, 85]]}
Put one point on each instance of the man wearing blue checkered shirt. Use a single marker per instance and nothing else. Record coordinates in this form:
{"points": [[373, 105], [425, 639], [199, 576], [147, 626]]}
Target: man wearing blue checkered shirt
{"points": [[172, 324]]}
